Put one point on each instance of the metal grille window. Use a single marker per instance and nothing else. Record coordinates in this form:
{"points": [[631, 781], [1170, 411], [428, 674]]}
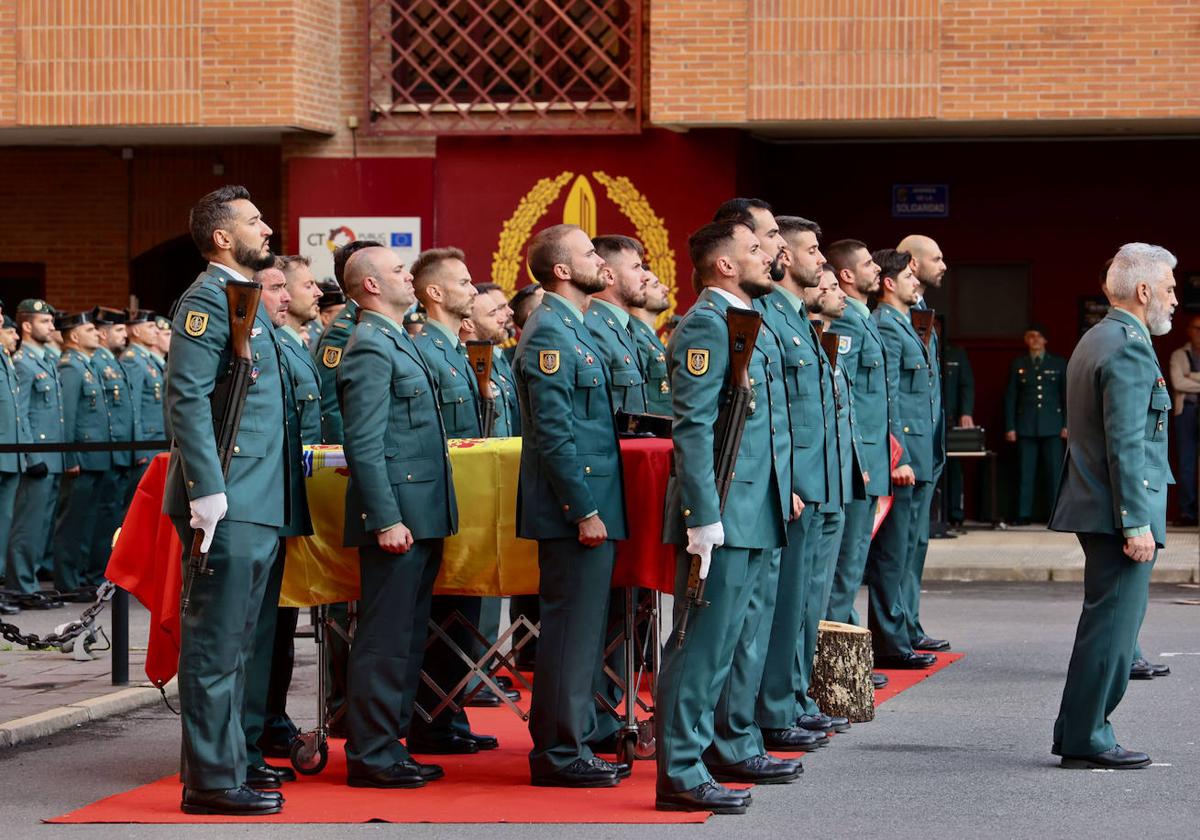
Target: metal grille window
{"points": [[504, 66]]}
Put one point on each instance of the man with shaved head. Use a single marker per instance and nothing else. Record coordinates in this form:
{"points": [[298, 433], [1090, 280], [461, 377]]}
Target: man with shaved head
{"points": [[399, 507]]}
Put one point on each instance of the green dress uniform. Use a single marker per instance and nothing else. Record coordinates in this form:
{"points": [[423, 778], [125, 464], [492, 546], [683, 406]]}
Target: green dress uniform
{"points": [[37, 494], [508, 408], [861, 361], [570, 470], [144, 369], [916, 566], [85, 420], [122, 424], [399, 474], [328, 355], [611, 326], [1035, 407], [809, 388], [959, 393], [1114, 485], [893, 552], [217, 634], [704, 702], [457, 393], [13, 430], [654, 364]]}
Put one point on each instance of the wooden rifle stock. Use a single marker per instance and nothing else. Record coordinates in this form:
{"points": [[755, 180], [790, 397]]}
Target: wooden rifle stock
{"points": [[228, 401], [744, 325], [479, 353], [922, 321], [829, 343]]}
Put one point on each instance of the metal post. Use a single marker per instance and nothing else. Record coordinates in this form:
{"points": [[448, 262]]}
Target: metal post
{"points": [[120, 637]]}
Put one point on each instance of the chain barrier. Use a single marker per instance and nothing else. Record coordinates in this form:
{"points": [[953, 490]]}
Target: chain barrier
{"points": [[64, 633]]}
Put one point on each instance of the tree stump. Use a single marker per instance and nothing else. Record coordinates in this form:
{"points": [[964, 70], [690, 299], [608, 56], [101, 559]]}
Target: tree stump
{"points": [[841, 678]]}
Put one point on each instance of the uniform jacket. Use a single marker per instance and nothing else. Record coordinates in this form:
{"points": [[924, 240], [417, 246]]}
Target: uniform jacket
{"points": [[917, 409], [122, 406], [295, 366], [570, 457], [1115, 473], [200, 355], [759, 500], [654, 364], [935, 378], [872, 394], [302, 375], [144, 370], [508, 408], [85, 413], [394, 440], [620, 351], [959, 384], [809, 385], [13, 427], [847, 484], [457, 389], [328, 355], [40, 404], [1035, 401]]}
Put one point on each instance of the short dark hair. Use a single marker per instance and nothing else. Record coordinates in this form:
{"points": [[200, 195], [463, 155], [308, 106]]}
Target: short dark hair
{"points": [[484, 288], [522, 303], [891, 262], [546, 251], [612, 244], [211, 213], [841, 253], [789, 225], [705, 242], [344, 253], [738, 210], [429, 260]]}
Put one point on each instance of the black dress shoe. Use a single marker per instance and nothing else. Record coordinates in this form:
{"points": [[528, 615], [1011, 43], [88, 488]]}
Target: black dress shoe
{"points": [[709, 796], [580, 773], [37, 601], [793, 740], [82, 595], [622, 769], [1140, 669], [446, 745], [907, 661], [1114, 759], [823, 723], [485, 698], [1159, 669], [402, 774], [484, 742], [7, 607], [879, 680], [929, 643], [430, 772], [760, 770], [233, 802], [285, 774], [262, 778]]}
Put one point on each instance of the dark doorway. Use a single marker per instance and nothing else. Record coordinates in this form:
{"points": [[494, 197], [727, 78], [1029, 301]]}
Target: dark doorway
{"points": [[161, 274], [20, 280]]}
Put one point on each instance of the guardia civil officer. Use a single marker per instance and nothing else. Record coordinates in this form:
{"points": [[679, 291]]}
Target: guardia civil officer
{"points": [[123, 422], [653, 353], [914, 422], [144, 368], [40, 405], [399, 506], [239, 514], [959, 400], [734, 544], [1113, 496], [1035, 417], [570, 498], [490, 314], [13, 430]]}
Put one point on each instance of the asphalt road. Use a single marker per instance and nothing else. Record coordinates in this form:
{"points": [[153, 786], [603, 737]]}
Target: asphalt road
{"points": [[964, 754]]}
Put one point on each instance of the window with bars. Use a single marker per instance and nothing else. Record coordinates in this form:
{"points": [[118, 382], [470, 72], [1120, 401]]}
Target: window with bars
{"points": [[504, 66]]}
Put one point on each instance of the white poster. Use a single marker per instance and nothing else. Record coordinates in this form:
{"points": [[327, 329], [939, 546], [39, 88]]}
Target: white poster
{"points": [[320, 236]]}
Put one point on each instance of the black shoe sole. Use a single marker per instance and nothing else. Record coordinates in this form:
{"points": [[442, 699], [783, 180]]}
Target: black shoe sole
{"points": [[770, 747], [1142, 675], [205, 810], [675, 806], [368, 783], [611, 781], [275, 785], [1087, 764], [770, 780]]}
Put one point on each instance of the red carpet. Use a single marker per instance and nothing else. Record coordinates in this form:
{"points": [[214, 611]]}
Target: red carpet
{"points": [[490, 787]]}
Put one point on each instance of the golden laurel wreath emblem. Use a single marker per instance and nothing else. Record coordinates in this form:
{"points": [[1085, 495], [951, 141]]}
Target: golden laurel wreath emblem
{"points": [[580, 209]]}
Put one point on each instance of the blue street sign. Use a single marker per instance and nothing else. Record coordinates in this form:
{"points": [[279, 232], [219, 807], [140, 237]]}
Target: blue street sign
{"points": [[920, 201]]}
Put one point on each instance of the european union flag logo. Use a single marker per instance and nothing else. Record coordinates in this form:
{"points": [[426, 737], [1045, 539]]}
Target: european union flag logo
{"points": [[402, 240]]}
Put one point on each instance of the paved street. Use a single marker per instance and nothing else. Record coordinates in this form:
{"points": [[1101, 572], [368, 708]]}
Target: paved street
{"points": [[965, 753]]}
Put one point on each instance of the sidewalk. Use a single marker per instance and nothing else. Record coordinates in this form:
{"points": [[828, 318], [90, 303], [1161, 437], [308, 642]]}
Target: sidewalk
{"points": [[42, 692]]}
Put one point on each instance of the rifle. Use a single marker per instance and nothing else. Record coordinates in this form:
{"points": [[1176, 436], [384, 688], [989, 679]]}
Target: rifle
{"points": [[744, 325], [228, 400], [479, 353], [829, 343], [922, 321]]}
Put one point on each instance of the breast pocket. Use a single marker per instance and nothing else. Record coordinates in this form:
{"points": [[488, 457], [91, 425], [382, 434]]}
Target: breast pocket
{"points": [[410, 393], [1156, 417], [869, 377], [91, 399], [458, 408], [914, 373], [43, 389], [589, 392]]}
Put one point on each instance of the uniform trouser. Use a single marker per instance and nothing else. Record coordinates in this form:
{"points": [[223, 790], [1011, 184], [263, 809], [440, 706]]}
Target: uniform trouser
{"points": [[692, 678], [887, 571], [385, 659], [109, 517], [278, 727], [954, 491], [859, 518], [824, 560], [261, 661], [1187, 434], [76, 527], [1115, 593], [446, 668], [776, 706], [525, 605], [573, 599], [736, 736], [45, 563], [216, 642], [33, 510], [922, 500], [606, 725], [1046, 452], [9, 482]]}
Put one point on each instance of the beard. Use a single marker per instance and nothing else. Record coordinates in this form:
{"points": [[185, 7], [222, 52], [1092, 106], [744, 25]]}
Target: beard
{"points": [[816, 307], [806, 278], [1158, 316], [778, 269], [588, 283], [756, 287], [244, 255]]}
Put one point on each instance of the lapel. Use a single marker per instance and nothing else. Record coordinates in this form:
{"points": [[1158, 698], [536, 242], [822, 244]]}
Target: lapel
{"points": [[582, 333], [403, 343], [909, 329], [624, 336]]}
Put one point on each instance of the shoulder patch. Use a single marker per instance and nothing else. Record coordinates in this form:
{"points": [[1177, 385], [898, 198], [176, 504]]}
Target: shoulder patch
{"points": [[697, 361], [548, 361], [331, 357], [196, 323]]}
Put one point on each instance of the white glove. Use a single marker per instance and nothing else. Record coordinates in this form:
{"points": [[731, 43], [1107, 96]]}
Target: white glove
{"points": [[701, 542], [207, 511]]}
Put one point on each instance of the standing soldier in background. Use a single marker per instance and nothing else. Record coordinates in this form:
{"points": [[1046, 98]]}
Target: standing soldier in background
{"points": [[490, 314], [329, 306], [123, 419], [959, 392], [13, 430], [144, 368], [609, 320], [1035, 417], [1114, 497], [163, 325], [238, 513], [653, 353], [37, 494]]}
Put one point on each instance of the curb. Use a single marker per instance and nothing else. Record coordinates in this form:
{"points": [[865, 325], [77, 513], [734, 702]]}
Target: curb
{"points": [[1069, 574], [31, 727]]}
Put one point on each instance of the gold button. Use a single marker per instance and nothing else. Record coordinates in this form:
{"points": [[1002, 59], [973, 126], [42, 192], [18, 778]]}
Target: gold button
{"points": [[566, 507], [906, 429], [587, 470], [1145, 482], [687, 511], [364, 516], [191, 484], [237, 450], [409, 476], [43, 437], [595, 381]]}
